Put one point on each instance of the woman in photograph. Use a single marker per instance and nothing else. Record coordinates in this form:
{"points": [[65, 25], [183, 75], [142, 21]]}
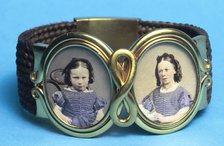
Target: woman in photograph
{"points": [[169, 101], [77, 104]]}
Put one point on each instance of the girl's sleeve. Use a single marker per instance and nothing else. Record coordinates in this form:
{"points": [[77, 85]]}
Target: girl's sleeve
{"points": [[185, 99], [58, 98], [99, 104], [148, 103]]}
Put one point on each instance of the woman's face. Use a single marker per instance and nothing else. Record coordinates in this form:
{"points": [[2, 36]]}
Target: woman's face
{"points": [[79, 78], [166, 72]]}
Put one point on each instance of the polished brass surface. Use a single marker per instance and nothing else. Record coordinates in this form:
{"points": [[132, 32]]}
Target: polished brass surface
{"points": [[117, 33], [124, 78]]}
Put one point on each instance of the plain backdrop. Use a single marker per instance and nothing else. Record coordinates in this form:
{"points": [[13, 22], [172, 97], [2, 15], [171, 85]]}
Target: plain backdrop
{"points": [[19, 128]]}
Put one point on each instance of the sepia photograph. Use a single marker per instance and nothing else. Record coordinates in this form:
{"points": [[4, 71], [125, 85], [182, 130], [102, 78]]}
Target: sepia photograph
{"points": [[165, 88], [75, 89]]}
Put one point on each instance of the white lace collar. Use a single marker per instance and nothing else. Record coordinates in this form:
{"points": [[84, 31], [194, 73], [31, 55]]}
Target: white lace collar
{"points": [[163, 90], [73, 90]]}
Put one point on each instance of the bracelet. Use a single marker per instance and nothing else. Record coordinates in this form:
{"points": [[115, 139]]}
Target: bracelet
{"points": [[81, 74]]}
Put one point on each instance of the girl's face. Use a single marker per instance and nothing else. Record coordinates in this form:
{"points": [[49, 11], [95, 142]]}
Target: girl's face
{"points": [[79, 78], [166, 72]]}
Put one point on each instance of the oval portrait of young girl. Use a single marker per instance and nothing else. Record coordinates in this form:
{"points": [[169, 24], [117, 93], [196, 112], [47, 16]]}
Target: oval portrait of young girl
{"points": [[166, 83], [78, 87]]}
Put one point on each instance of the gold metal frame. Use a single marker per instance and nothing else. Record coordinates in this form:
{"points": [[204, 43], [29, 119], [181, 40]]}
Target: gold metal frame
{"points": [[174, 36], [41, 68], [124, 78]]}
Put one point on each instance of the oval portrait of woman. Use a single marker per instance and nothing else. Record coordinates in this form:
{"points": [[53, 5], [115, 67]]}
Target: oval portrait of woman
{"points": [[166, 83], [78, 87]]}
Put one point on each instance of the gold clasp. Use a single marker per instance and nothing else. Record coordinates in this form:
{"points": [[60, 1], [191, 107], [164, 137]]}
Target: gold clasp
{"points": [[117, 33]]}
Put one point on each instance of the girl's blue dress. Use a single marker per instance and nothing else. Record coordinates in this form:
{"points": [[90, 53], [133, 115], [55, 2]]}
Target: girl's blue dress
{"points": [[81, 107]]}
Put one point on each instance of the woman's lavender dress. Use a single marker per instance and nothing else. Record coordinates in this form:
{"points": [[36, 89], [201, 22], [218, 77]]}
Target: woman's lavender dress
{"points": [[168, 103]]}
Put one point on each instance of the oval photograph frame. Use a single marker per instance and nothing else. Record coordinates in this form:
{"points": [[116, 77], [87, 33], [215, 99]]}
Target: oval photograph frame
{"points": [[166, 90], [73, 66]]}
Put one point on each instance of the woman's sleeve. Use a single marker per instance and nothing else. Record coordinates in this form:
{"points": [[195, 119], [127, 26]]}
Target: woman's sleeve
{"points": [[185, 99], [99, 104], [58, 98], [148, 103]]}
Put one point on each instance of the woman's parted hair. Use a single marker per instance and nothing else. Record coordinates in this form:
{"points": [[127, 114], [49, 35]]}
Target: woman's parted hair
{"points": [[176, 64], [75, 63]]}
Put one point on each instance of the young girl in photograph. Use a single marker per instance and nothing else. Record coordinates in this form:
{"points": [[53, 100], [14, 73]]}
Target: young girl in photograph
{"points": [[77, 104], [169, 101]]}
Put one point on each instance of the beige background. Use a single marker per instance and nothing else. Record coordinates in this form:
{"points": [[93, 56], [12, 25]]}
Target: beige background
{"points": [[145, 80]]}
